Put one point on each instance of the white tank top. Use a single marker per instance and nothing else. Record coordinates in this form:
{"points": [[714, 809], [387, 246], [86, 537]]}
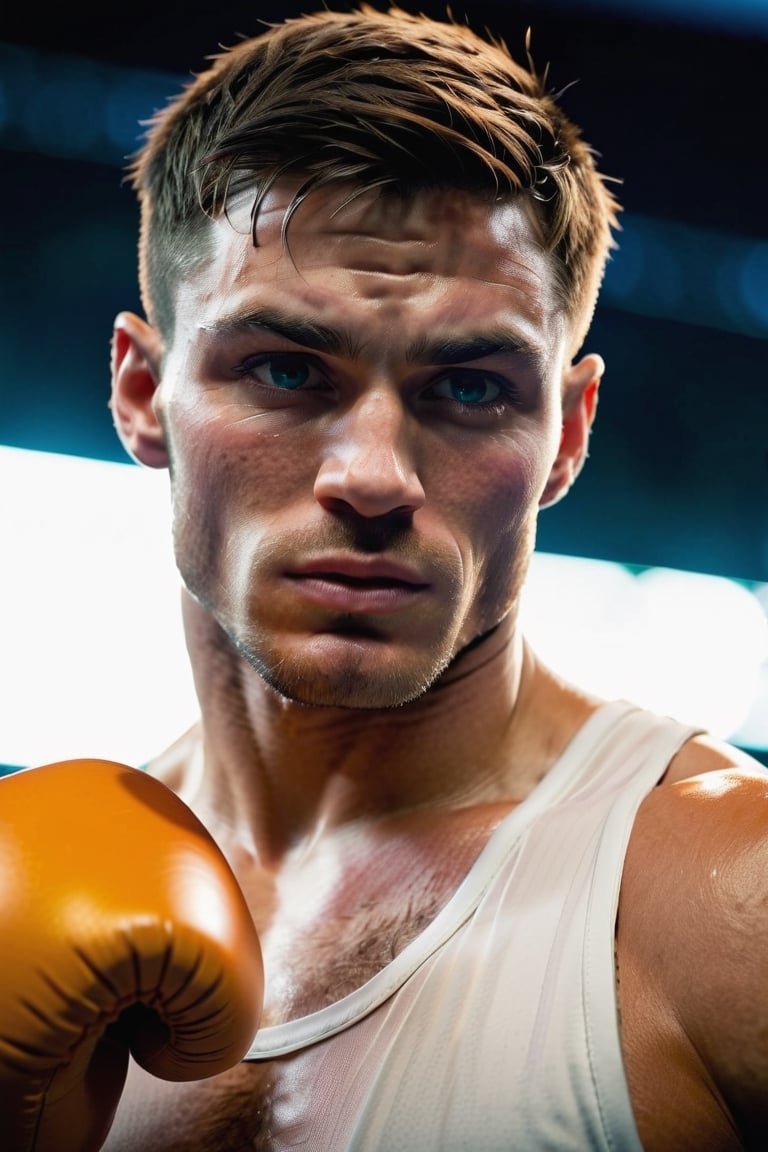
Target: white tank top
{"points": [[496, 1028]]}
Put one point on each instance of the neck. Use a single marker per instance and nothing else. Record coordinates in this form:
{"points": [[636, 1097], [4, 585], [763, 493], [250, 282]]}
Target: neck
{"points": [[269, 773]]}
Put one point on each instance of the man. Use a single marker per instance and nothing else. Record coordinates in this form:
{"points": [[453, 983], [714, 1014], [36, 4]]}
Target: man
{"points": [[371, 247]]}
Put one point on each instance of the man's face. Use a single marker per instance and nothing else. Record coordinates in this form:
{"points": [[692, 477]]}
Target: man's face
{"points": [[360, 431]]}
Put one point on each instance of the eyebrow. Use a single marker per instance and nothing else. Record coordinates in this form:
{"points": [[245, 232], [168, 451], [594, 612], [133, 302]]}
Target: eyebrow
{"points": [[341, 342], [336, 342], [459, 351]]}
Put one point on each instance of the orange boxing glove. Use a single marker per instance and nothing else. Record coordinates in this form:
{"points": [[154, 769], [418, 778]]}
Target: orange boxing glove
{"points": [[122, 929]]}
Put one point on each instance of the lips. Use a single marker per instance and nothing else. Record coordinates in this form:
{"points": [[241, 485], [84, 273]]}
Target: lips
{"points": [[350, 584], [362, 570]]}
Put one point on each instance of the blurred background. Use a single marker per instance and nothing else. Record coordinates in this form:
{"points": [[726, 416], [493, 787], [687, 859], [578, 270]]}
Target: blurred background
{"points": [[650, 580]]}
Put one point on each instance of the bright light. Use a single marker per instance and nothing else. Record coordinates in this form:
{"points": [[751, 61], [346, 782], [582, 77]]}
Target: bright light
{"points": [[686, 644], [93, 657], [93, 660]]}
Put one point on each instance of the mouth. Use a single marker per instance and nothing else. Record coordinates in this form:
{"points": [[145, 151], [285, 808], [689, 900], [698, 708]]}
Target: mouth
{"points": [[361, 572], [366, 581], [359, 586]]}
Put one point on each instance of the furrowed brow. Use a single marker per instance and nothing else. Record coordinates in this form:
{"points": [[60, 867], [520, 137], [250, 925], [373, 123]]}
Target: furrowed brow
{"points": [[303, 332], [461, 351]]}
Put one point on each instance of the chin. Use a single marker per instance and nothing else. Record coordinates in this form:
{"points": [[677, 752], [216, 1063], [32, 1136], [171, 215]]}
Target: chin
{"points": [[360, 680]]}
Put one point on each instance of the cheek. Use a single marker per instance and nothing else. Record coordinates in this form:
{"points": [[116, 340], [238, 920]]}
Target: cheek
{"points": [[496, 492], [201, 496], [232, 479], [205, 479], [227, 463], [499, 510]]}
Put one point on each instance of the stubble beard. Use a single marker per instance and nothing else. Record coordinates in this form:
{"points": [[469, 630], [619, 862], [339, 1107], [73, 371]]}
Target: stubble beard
{"points": [[306, 681]]}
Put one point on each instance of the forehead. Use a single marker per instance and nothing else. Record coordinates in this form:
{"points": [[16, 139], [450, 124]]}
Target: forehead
{"points": [[441, 259]]}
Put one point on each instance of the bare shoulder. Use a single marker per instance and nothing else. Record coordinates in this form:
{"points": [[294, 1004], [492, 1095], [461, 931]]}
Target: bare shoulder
{"points": [[707, 754], [693, 924], [710, 808], [702, 837]]}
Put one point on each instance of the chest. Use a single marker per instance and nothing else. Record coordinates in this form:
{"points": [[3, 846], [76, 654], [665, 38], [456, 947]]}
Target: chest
{"points": [[331, 922], [304, 1099], [487, 1034], [326, 930], [251, 1108], [469, 1035], [465, 1054], [373, 1089]]}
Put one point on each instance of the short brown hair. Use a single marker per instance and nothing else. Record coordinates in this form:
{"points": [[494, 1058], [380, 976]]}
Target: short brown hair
{"points": [[378, 99]]}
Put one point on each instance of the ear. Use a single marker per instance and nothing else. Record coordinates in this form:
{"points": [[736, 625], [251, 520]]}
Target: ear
{"points": [[136, 358], [580, 385]]}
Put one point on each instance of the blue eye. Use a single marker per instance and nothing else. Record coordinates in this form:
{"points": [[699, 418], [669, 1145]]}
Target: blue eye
{"points": [[468, 388], [285, 372]]}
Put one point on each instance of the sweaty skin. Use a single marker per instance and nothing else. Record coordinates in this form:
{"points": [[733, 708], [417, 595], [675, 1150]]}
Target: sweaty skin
{"points": [[303, 482], [361, 430]]}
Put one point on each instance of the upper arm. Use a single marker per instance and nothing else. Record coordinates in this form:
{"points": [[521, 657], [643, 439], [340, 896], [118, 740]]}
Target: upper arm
{"points": [[696, 898]]}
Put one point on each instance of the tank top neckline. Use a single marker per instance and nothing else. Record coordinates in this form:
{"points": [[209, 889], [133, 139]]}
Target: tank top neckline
{"points": [[292, 1035]]}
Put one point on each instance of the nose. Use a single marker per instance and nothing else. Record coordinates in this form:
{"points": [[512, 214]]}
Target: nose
{"points": [[368, 465]]}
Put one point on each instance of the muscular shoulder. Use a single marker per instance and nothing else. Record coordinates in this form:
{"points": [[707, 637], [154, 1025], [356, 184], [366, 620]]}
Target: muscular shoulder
{"points": [[706, 754], [698, 855], [694, 917]]}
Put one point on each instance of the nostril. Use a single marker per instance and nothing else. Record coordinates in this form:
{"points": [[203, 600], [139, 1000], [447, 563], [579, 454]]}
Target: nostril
{"points": [[402, 513], [370, 533], [371, 487]]}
